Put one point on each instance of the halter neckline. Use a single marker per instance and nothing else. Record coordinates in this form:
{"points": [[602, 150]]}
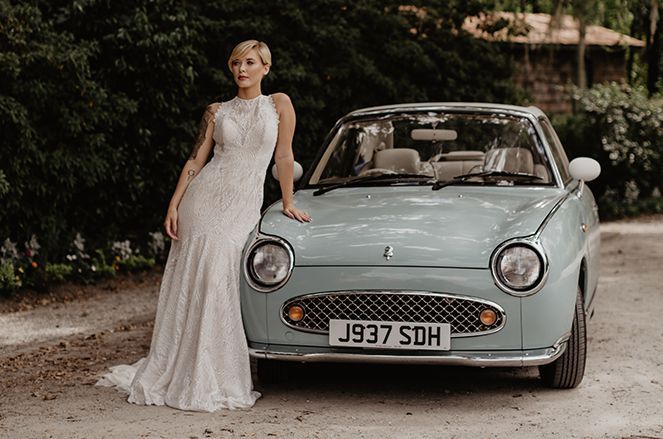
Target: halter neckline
{"points": [[248, 100]]}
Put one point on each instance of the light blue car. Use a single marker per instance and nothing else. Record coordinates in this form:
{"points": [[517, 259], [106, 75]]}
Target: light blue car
{"points": [[442, 233]]}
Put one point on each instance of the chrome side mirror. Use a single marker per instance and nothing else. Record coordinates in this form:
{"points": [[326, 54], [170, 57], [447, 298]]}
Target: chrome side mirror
{"points": [[584, 168], [298, 172]]}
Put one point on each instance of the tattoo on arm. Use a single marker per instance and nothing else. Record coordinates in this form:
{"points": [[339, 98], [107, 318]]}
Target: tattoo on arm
{"points": [[208, 116], [191, 173]]}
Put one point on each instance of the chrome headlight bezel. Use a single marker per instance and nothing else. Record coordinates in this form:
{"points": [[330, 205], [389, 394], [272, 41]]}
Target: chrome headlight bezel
{"points": [[249, 272], [502, 283]]}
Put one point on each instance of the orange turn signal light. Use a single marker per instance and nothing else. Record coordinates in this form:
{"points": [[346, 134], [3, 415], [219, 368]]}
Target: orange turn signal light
{"points": [[295, 313], [488, 317]]}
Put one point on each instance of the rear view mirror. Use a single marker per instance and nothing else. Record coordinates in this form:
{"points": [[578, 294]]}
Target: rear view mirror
{"points": [[433, 135], [296, 176], [584, 168]]}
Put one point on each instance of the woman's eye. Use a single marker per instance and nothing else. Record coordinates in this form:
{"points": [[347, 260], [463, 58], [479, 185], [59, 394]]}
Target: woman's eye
{"points": [[250, 62]]}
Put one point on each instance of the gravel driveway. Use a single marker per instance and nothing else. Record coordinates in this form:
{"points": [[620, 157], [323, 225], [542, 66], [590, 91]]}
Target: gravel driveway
{"points": [[54, 347]]}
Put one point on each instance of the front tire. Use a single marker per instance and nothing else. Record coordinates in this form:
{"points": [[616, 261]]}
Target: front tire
{"points": [[567, 371]]}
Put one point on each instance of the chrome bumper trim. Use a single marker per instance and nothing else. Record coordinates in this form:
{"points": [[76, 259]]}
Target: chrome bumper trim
{"points": [[534, 357]]}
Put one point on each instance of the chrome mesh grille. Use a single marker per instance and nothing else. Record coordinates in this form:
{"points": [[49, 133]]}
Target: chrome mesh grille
{"points": [[462, 313]]}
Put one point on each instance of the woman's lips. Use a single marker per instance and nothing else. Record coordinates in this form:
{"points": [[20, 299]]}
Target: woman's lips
{"points": [[242, 77]]}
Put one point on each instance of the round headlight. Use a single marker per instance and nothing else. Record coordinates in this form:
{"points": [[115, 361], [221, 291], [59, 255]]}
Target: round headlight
{"points": [[518, 268], [270, 264]]}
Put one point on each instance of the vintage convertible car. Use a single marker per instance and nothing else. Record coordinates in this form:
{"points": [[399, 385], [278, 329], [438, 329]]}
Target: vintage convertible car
{"points": [[442, 233]]}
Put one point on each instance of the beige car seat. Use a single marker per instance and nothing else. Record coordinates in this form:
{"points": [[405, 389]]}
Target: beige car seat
{"points": [[456, 163], [541, 171], [509, 160], [405, 160]]}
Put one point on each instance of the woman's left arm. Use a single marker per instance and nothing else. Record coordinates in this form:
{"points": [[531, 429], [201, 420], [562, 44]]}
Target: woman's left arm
{"points": [[284, 158]]}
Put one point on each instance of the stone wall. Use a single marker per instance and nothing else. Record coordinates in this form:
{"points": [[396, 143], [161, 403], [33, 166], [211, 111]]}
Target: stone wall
{"points": [[608, 65], [547, 72]]}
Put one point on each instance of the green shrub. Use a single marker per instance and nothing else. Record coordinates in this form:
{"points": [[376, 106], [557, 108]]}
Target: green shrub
{"points": [[25, 268], [9, 280], [4, 184], [100, 269], [100, 100], [56, 273], [136, 263], [623, 130], [156, 247]]}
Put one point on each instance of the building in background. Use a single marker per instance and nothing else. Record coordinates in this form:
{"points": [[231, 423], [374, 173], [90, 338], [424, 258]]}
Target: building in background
{"points": [[545, 58]]}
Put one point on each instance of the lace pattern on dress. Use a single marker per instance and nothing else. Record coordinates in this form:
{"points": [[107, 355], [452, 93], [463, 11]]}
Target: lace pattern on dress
{"points": [[198, 358]]}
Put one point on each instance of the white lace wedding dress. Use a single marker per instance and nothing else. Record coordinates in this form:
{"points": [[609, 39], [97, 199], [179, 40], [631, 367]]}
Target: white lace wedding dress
{"points": [[198, 358]]}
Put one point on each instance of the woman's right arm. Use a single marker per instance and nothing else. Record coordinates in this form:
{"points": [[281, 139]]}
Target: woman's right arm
{"points": [[192, 167]]}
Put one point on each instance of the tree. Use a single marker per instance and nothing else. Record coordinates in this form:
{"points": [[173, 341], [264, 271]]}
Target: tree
{"points": [[100, 99], [584, 12], [55, 121], [648, 23]]}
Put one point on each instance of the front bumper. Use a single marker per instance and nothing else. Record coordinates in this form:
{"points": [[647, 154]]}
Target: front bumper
{"points": [[521, 358]]}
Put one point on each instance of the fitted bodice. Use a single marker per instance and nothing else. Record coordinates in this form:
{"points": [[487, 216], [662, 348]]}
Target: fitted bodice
{"points": [[245, 134]]}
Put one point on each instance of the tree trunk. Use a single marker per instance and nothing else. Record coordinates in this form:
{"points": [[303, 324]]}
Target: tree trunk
{"points": [[630, 56], [582, 70], [653, 53]]}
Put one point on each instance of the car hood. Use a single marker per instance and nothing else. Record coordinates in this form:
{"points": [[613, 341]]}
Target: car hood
{"points": [[453, 227]]}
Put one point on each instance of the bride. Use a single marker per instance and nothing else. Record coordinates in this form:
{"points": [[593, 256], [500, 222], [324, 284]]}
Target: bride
{"points": [[198, 358]]}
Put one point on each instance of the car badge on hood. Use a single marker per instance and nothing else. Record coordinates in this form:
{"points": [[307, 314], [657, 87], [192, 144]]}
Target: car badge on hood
{"points": [[388, 252]]}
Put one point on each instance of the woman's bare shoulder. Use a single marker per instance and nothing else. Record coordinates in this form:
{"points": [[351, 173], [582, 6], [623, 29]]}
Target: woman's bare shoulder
{"points": [[281, 101], [214, 106], [211, 110]]}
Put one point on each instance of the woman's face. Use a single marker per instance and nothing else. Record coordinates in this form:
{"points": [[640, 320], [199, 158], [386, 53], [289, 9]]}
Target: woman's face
{"points": [[249, 69]]}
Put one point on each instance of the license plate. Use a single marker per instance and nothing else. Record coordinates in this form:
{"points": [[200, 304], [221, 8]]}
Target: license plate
{"points": [[390, 335]]}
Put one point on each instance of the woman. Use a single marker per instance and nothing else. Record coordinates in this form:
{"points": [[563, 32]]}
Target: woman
{"points": [[198, 357]]}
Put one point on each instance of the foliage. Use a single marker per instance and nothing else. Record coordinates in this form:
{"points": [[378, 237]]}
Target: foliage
{"points": [[135, 263], [622, 129], [157, 246], [10, 281], [92, 110], [99, 99], [27, 269], [4, 184], [647, 24], [100, 268], [99, 103], [56, 273], [128, 259], [85, 268], [52, 117]]}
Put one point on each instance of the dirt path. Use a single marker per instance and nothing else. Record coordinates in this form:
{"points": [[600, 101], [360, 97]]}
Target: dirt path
{"points": [[53, 348]]}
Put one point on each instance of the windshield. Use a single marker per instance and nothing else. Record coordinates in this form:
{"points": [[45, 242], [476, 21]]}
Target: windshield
{"points": [[438, 145]]}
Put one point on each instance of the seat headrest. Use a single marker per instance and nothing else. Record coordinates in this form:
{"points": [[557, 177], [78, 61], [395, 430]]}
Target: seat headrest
{"points": [[510, 160], [464, 155], [397, 159]]}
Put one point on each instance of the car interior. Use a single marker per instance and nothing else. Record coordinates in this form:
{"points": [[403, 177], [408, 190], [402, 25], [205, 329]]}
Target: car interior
{"points": [[415, 145], [377, 154]]}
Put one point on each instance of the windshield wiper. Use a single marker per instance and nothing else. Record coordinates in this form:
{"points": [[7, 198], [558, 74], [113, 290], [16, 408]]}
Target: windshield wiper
{"points": [[463, 178], [364, 178]]}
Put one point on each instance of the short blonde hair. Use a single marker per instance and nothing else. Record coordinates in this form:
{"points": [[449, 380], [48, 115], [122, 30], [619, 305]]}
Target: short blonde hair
{"points": [[245, 46]]}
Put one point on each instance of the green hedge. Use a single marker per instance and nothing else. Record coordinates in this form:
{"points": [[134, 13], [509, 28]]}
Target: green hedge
{"points": [[100, 99], [622, 129]]}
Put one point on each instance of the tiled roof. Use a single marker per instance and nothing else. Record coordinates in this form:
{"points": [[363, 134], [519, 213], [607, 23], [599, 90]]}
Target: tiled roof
{"points": [[535, 29]]}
